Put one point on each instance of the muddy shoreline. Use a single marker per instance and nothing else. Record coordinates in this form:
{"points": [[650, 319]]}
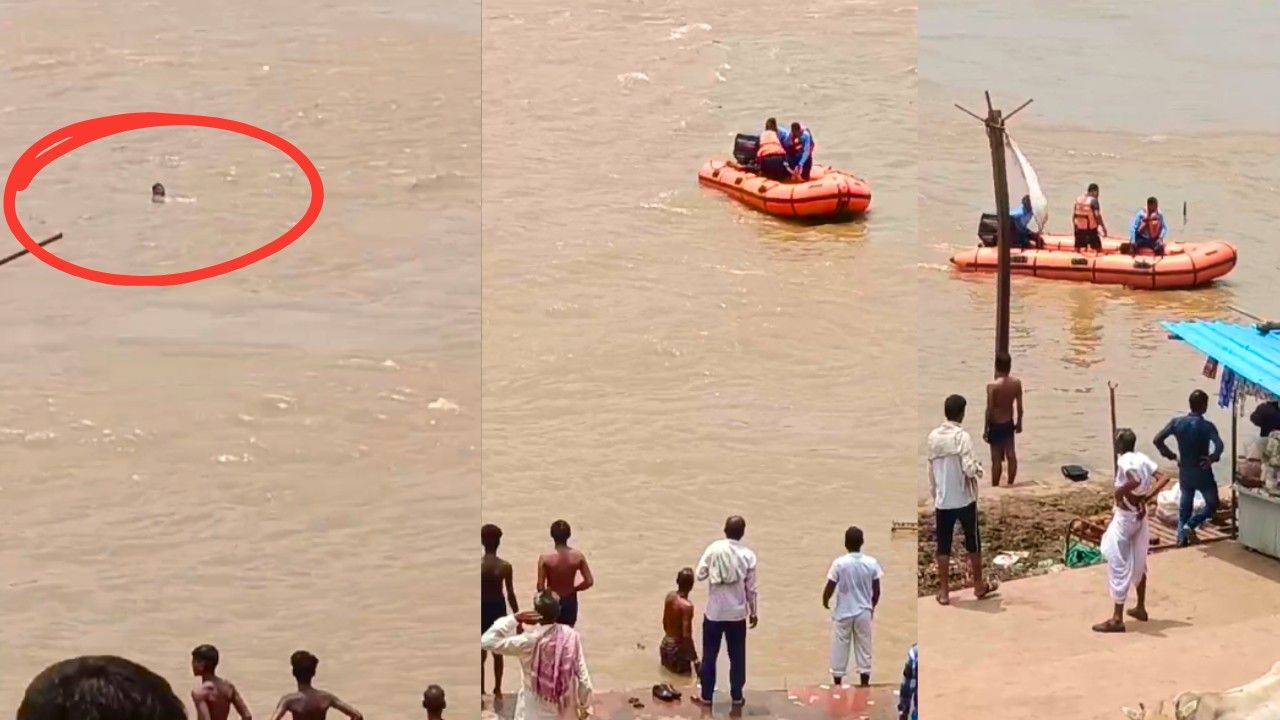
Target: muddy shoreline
{"points": [[1030, 519]]}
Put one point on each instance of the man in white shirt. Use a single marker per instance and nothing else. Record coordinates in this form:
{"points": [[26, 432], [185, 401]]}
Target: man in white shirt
{"points": [[1128, 537], [729, 569], [855, 581], [953, 477]]}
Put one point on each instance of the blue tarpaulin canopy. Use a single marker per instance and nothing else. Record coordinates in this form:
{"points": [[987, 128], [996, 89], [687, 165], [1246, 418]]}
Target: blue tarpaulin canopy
{"points": [[1251, 354]]}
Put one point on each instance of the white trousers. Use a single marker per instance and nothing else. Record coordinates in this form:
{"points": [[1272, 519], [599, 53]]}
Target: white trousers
{"points": [[851, 634], [1125, 545]]}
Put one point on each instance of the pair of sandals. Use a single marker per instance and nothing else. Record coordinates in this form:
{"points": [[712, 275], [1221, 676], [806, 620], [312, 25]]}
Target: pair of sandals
{"points": [[666, 693]]}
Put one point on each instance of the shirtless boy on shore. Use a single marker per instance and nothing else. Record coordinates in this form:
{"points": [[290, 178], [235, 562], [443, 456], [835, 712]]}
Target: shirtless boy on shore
{"points": [[214, 696], [1004, 394], [678, 652], [497, 591], [310, 703], [558, 572]]}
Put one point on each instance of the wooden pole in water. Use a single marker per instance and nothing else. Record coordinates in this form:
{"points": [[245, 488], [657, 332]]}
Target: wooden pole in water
{"points": [[1115, 455], [24, 251], [995, 125]]}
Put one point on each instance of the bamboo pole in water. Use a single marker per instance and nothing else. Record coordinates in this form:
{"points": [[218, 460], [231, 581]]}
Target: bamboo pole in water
{"points": [[24, 251]]}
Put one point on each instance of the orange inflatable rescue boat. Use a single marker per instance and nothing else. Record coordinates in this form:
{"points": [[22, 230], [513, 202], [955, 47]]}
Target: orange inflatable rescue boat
{"points": [[829, 194], [1184, 265]]}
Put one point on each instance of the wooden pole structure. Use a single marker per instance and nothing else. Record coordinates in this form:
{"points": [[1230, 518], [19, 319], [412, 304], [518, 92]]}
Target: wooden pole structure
{"points": [[24, 251], [1115, 454], [995, 125]]}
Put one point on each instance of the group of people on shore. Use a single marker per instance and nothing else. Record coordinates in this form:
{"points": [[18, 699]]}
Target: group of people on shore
{"points": [[106, 686], [785, 154], [1147, 232], [556, 683], [954, 474]]}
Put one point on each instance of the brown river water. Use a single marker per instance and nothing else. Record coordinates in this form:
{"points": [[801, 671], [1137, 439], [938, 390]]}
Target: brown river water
{"points": [[1176, 116], [657, 357], [282, 458]]}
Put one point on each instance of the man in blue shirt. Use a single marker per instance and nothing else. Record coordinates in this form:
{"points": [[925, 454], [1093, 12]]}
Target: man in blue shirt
{"points": [[799, 144], [1149, 229], [1199, 447], [1021, 216]]}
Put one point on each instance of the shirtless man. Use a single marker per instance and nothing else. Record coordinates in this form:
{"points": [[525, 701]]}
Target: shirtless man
{"points": [[678, 652], [495, 576], [214, 697], [157, 193], [433, 702], [558, 572], [1003, 395], [310, 703]]}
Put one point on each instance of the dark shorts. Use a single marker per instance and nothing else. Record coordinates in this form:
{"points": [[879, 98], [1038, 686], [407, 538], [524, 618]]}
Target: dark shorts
{"points": [[1000, 434], [568, 611], [491, 611], [967, 516], [1088, 239], [675, 657], [774, 167]]}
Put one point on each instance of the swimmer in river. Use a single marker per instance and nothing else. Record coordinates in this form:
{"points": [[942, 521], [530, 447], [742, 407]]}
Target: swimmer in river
{"points": [[309, 702], [158, 195], [215, 696]]}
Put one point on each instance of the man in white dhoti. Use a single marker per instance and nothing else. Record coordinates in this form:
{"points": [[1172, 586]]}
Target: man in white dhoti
{"points": [[1128, 537], [555, 683]]}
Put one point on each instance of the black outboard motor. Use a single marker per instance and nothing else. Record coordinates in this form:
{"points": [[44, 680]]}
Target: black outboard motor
{"points": [[744, 150], [987, 227]]}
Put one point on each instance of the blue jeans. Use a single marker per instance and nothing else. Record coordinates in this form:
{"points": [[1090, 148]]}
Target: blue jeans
{"points": [[735, 637], [1152, 245], [1190, 481]]}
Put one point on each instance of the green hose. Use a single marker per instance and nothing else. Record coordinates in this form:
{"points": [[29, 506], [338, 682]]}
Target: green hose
{"points": [[1080, 555]]}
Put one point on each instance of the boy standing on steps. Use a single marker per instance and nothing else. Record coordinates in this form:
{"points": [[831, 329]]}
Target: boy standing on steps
{"points": [[855, 581]]}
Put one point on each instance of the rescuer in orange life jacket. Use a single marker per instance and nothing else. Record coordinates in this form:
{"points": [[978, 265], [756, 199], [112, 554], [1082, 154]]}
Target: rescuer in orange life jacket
{"points": [[1149, 228], [1087, 218], [771, 156]]}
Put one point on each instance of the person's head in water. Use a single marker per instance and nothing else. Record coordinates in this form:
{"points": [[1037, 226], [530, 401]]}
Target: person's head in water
{"points": [[796, 130], [99, 688], [1152, 204], [735, 527], [1093, 190], [1126, 441], [547, 605], [433, 701], [304, 666], [560, 532], [684, 580], [853, 539], [490, 538], [157, 191], [953, 408], [1004, 363], [1198, 402], [1026, 203], [771, 124], [204, 660]]}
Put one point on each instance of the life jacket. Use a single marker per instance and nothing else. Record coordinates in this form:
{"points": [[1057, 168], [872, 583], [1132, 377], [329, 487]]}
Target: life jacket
{"points": [[770, 145], [1085, 216], [1151, 227], [796, 140]]}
